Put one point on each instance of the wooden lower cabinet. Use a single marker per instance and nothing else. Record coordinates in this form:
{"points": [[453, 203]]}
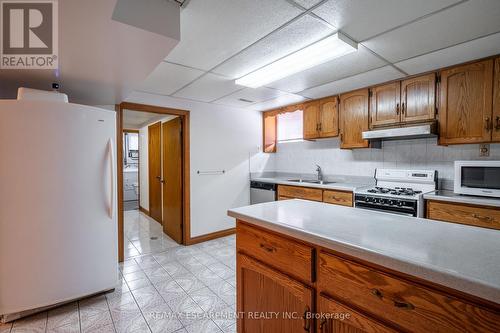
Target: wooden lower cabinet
{"points": [[271, 301], [479, 216], [337, 197]]}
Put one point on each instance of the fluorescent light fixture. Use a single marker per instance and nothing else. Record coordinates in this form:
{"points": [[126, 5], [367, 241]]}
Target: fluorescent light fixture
{"points": [[315, 54]]}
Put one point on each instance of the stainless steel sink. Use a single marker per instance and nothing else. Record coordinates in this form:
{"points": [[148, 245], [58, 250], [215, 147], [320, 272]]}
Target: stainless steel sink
{"points": [[310, 181]]}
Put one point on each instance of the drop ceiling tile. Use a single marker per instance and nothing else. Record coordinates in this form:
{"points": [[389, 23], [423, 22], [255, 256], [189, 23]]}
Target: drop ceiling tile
{"points": [[291, 38], [372, 77], [208, 88], [212, 31], [476, 49], [251, 95], [168, 78], [282, 100], [362, 19], [459, 24], [348, 65], [307, 3]]}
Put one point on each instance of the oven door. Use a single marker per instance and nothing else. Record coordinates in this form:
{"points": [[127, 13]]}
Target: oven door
{"points": [[392, 210], [477, 178]]}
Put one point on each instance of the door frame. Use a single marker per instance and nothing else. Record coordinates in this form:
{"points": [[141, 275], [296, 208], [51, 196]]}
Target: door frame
{"points": [[126, 130], [186, 188]]}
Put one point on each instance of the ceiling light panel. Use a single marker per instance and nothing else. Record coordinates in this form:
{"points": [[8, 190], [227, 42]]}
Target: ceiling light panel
{"points": [[294, 36], [362, 19], [348, 65], [318, 53], [459, 24]]}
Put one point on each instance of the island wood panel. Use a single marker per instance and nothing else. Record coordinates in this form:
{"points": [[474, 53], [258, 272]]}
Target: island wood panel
{"points": [[340, 318], [495, 136], [466, 103], [263, 290], [385, 104], [412, 307], [311, 120], [299, 192], [479, 216], [354, 119], [276, 251], [418, 98], [328, 117], [342, 198]]}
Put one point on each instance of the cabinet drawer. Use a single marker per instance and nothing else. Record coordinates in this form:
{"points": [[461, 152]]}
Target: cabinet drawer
{"points": [[464, 214], [407, 305], [300, 192], [286, 255], [338, 197]]}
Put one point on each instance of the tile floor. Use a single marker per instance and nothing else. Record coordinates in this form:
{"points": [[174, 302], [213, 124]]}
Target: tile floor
{"points": [[163, 287]]}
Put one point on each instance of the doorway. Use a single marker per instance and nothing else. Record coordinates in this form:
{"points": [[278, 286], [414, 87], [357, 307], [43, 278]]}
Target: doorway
{"points": [[162, 218]]}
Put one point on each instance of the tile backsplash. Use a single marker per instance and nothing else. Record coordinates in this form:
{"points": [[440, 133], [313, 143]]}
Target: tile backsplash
{"points": [[301, 157]]}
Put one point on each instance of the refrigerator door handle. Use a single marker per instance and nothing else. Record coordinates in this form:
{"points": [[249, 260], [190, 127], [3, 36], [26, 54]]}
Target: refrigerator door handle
{"points": [[112, 180]]}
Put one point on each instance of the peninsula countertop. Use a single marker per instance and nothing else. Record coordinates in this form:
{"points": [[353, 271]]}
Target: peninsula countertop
{"points": [[461, 257]]}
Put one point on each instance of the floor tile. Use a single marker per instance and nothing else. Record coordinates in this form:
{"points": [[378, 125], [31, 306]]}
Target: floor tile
{"points": [[208, 300], [170, 290], [96, 323], [162, 319], [118, 300], [140, 283], [225, 291], [203, 325], [63, 316], [92, 306], [36, 323], [73, 327], [148, 296]]}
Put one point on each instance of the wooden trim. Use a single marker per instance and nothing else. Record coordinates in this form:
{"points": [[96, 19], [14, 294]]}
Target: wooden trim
{"points": [[186, 186], [213, 235], [144, 210], [126, 130]]}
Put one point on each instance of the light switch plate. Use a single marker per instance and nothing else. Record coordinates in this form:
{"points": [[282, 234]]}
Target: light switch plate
{"points": [[484, 150]]}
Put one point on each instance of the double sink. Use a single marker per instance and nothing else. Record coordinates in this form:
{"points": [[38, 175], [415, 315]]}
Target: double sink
{"points": [[310, 181]]}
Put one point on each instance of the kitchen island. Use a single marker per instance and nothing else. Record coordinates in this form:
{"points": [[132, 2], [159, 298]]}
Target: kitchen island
{"points": [[343, 269]]}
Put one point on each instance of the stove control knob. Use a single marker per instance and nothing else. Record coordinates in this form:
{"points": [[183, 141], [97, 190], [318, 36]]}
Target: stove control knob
{"points": [[391, 202], [400, 203]]}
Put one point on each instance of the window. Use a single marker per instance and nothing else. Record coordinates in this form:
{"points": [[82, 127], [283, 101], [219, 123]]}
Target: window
{"points": [[290, 126]]}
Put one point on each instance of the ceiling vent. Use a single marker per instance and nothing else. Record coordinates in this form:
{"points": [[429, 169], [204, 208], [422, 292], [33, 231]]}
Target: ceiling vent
{"points": [[245, 100]]}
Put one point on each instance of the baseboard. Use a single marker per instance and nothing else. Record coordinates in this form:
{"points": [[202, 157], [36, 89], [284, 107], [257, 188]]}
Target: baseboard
{"points": [[144, 210], [213, 235]]}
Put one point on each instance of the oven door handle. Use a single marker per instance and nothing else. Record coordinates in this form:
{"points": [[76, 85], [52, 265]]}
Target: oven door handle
{"points": [[383, 210]]}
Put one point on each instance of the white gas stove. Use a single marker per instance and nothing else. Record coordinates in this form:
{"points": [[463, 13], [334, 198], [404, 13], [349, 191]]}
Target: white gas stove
{"points": [[397, 191]]}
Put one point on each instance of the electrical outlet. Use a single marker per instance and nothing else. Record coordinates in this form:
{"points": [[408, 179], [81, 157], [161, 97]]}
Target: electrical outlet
{"points": [[484, 150]]}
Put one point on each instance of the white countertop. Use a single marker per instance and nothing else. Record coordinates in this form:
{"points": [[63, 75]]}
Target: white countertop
{"points": [[461, 257], [451, 196], [341, 186]]}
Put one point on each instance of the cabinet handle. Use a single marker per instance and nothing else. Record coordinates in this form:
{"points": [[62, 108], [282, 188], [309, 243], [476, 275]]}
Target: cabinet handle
{"points": [[487, 124], [395, 302], [319, 127], [482, 218], [397, 108], [267, 248], [497, 125], [306, 319], [403, 108]]}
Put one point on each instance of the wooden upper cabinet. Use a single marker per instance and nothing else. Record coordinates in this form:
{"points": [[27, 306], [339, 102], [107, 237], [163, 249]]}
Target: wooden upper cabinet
{"points": [[418, 98], [353, 119], [466, 103], [270, 132], [311, 120], [385, 104], [328, 117], [261, 289], [496, 102]]}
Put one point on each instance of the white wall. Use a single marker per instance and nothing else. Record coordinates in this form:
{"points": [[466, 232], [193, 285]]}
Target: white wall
{"points": [[301, 157], [222, 138]]}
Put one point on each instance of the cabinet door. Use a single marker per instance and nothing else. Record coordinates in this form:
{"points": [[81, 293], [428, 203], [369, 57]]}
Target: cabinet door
{"points": [[353, 119], [261, 291], [418, 98], [466, 103], [496, 103], [328, 117], [385, 107], [311, 120], [339, 318]]}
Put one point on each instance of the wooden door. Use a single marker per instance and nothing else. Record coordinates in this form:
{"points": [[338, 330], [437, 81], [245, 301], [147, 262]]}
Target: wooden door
{"points": [[172, 179], [353, 119], [385, 104], [339, 318], [311, 120], [328, 117], [418, 98], [265, 290], [466, 103], [496, 103], [154, 162]]}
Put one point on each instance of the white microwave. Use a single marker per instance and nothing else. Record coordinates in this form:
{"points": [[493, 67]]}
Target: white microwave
{"points": [[477, 178]]}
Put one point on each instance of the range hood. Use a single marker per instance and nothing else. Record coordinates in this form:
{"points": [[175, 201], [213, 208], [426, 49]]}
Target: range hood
{"points": [[400, 133]]}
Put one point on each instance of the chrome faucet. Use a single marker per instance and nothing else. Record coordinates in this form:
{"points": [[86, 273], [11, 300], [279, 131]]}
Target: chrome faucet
{"points": [[320, 173]]}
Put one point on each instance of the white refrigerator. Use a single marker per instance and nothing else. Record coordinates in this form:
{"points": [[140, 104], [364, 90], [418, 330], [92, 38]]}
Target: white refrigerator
{"points": [[58, 218]]}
